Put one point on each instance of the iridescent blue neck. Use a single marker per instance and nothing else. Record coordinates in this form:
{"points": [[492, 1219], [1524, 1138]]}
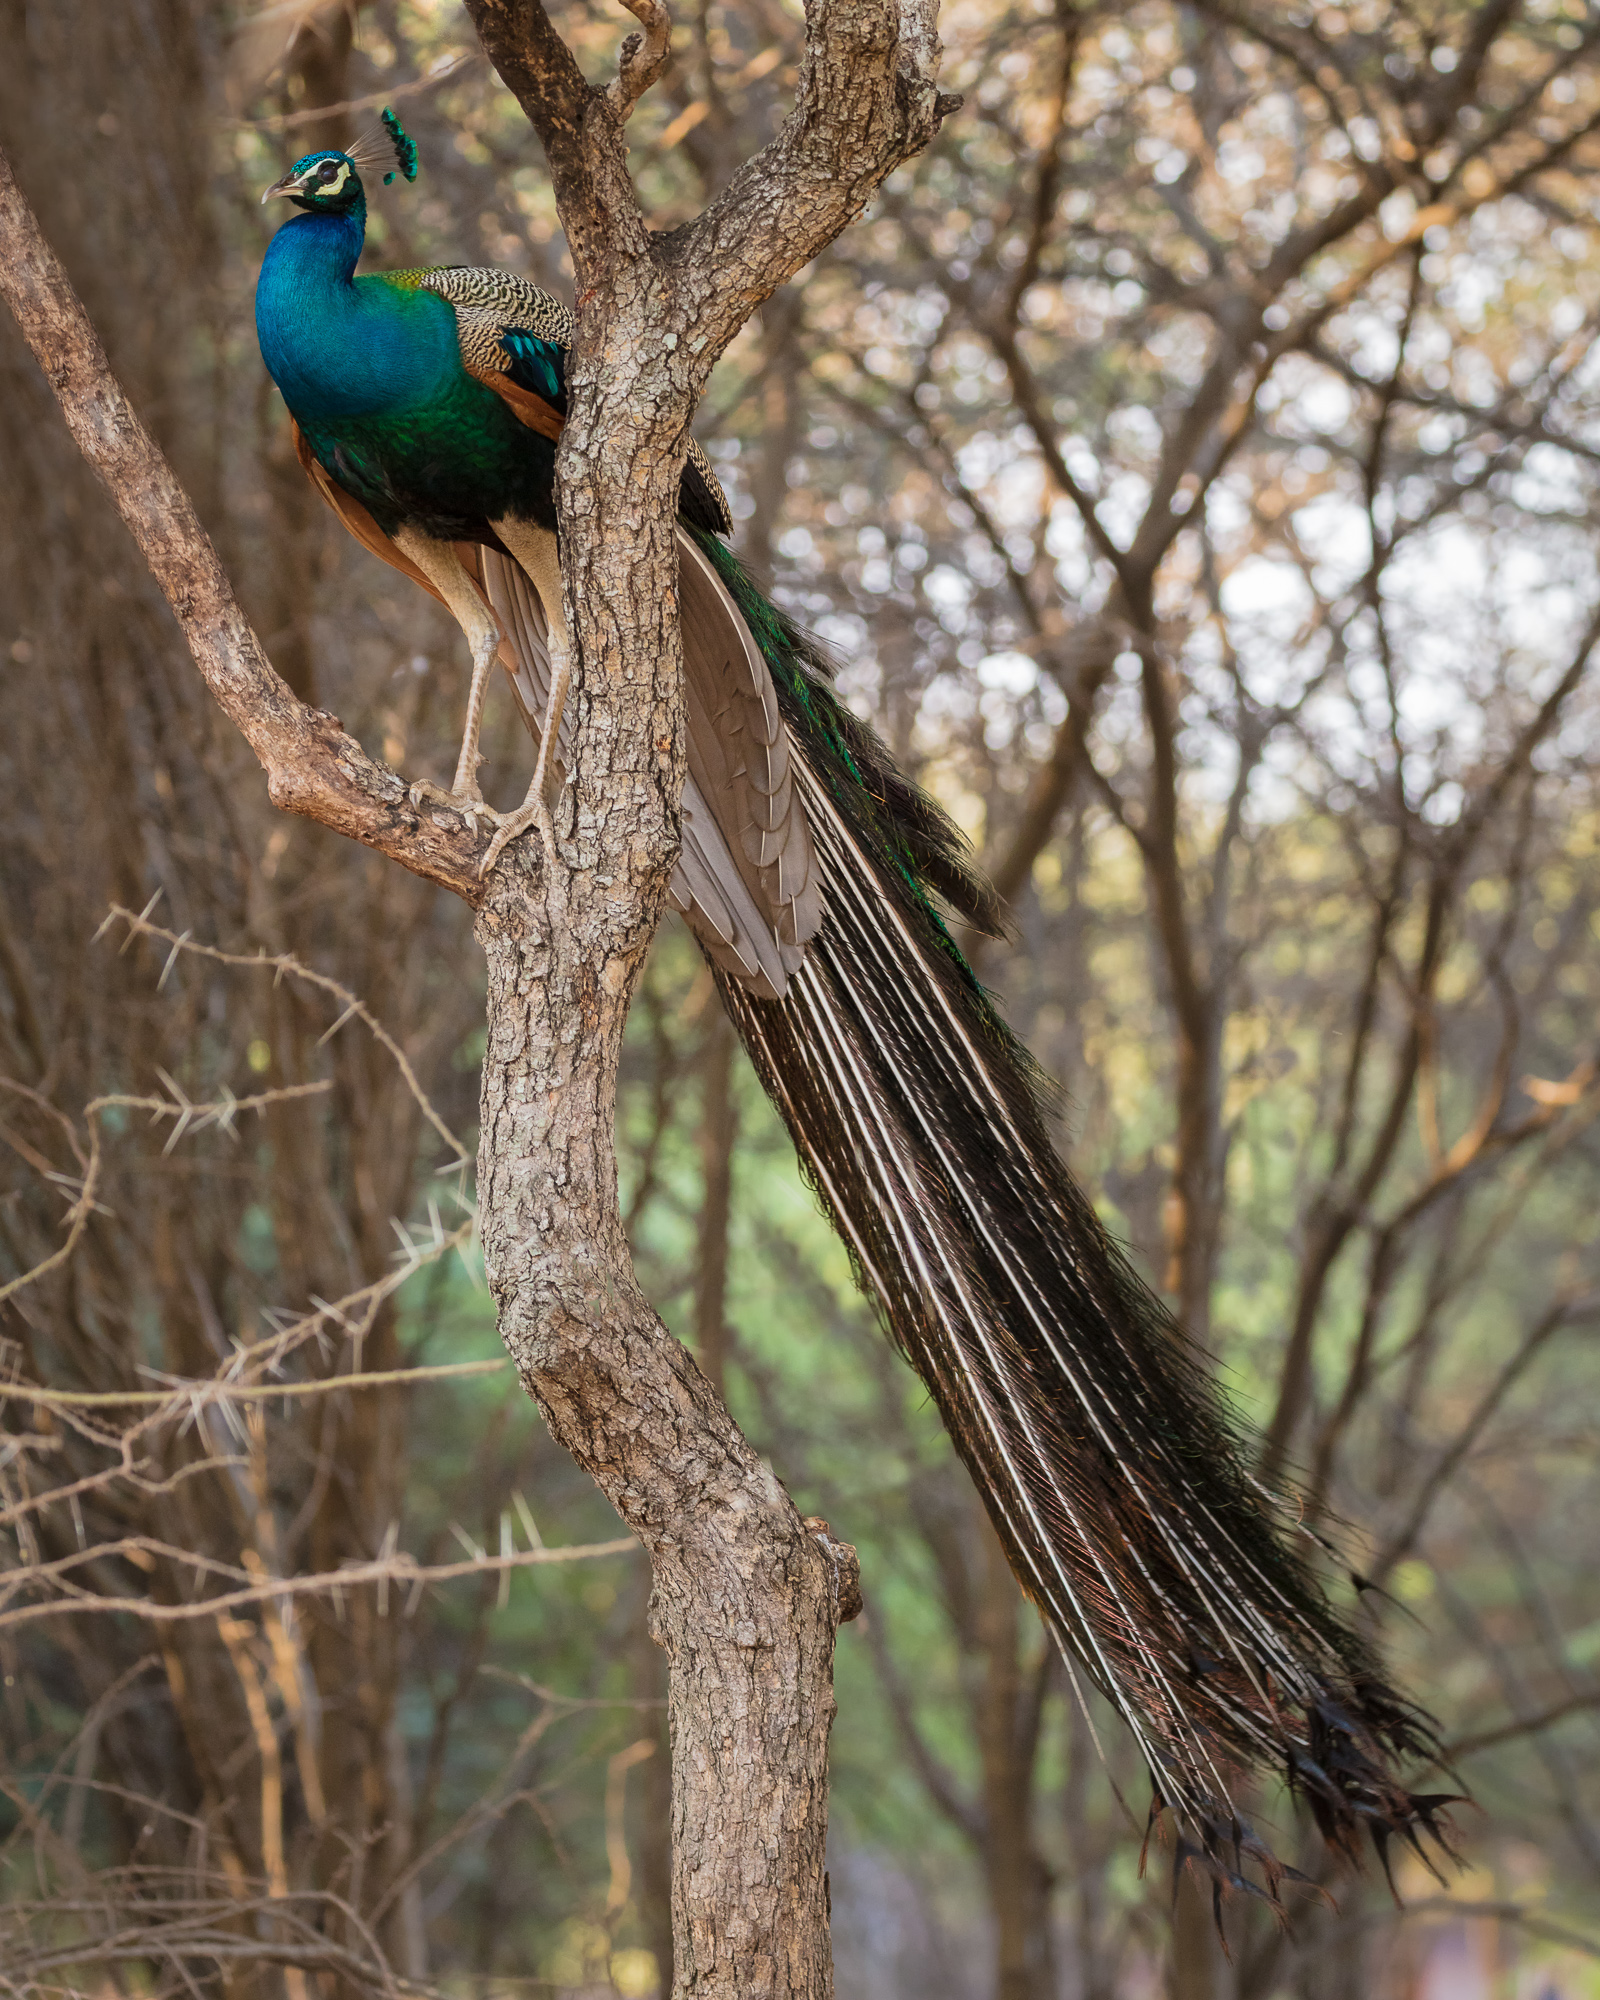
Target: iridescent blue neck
{"points": [[319, 247], [304, 302]]}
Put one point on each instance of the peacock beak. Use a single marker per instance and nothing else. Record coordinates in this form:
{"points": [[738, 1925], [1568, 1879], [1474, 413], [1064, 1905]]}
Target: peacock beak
{"points": [[288, 185]]}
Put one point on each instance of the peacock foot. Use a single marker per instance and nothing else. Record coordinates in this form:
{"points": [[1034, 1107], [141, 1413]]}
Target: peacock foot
{"points": [[532, 812], [471, 805], [476, 810]]}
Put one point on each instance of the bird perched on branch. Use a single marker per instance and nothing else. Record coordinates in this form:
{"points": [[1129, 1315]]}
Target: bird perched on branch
{"points": [[819, 883]]}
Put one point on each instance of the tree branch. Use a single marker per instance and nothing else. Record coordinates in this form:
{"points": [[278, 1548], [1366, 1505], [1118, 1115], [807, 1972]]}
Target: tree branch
{"points": [[641, 59], [867, 100], [313, 767]]}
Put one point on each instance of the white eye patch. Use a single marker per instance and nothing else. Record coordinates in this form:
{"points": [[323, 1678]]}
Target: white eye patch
{"points": [[316, 186]]}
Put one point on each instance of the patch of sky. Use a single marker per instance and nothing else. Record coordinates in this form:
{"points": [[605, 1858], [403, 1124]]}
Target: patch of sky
{"points": [[1454, 589], [859, 684], [1339, 728], [1279, 782], [1213, 755], [925, 313], [1550, 480], [1577, 743], [1443, 806], [1366, 138], [1273, 219], [1397, 213], [1182, 346], [1275, 675], [982, 456], [1238, 161], [1369, 341], [1583, 382], [983, 562], [1065, 545], [948, 699], [1019, 549], [1322, 404], [1267, 593], [1440, 432], [1431, 700], [1122, 715], [843, 633], [1011, 675], [1335, 534], [950, 594], [1228, 507], [999, 721], [1126, 501], [1015, 485], [1135, 429]]}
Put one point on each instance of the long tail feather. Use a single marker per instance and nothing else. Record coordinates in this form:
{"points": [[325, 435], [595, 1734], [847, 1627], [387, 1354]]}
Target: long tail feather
{"points": [[1110, 1468]]}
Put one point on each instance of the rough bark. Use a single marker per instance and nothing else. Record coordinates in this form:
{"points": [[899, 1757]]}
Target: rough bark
{"points": [[743, 1599], [745, 1602]]}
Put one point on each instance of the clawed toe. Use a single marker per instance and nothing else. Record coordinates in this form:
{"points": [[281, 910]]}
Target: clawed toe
{"points": [[476, 810], [472, 805], [511, 825]]}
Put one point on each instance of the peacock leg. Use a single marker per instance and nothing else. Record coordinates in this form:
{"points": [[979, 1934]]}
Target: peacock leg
{"points": [[535, 549], [439, 564]]}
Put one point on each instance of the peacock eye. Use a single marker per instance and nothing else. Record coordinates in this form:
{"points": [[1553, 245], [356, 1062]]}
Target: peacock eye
{"points": [[326, 171]]}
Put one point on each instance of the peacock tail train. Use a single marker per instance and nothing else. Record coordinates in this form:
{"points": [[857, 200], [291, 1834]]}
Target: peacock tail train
{"points": [[1110, 1467]]}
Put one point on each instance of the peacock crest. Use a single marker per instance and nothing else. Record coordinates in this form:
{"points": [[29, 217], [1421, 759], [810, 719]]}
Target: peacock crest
{"points": [[405, 147], [329, 182]]}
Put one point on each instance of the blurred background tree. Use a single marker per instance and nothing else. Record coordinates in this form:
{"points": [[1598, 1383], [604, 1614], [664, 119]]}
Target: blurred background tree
{"points": [[1193, 462]]}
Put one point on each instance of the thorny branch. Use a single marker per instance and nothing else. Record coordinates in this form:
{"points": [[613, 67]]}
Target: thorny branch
{"points": [[111, 1575]]}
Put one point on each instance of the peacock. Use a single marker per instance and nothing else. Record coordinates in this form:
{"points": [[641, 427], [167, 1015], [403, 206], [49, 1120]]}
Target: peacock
{"points": [[821, 886]]}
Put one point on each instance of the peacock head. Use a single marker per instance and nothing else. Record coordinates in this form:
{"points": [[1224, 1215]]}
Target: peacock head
{"points": [[324, 183], [328, 183]]}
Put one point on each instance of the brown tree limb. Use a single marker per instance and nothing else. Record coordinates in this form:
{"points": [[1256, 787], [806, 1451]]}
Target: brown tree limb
{"points": [[1522, 1725], [745, 1601], [1564, 1312], [1340, 1208], [313, 767]]}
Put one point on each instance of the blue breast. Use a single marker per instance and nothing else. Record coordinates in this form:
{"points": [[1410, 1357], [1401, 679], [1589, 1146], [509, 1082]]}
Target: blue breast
{"points": [[340, 346]]}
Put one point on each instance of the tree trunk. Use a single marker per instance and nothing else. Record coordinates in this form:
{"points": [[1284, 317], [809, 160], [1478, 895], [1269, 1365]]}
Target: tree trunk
{"points": [[1008, 1738], [744, 1602], [654, 1893], [1194, 1971]]}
